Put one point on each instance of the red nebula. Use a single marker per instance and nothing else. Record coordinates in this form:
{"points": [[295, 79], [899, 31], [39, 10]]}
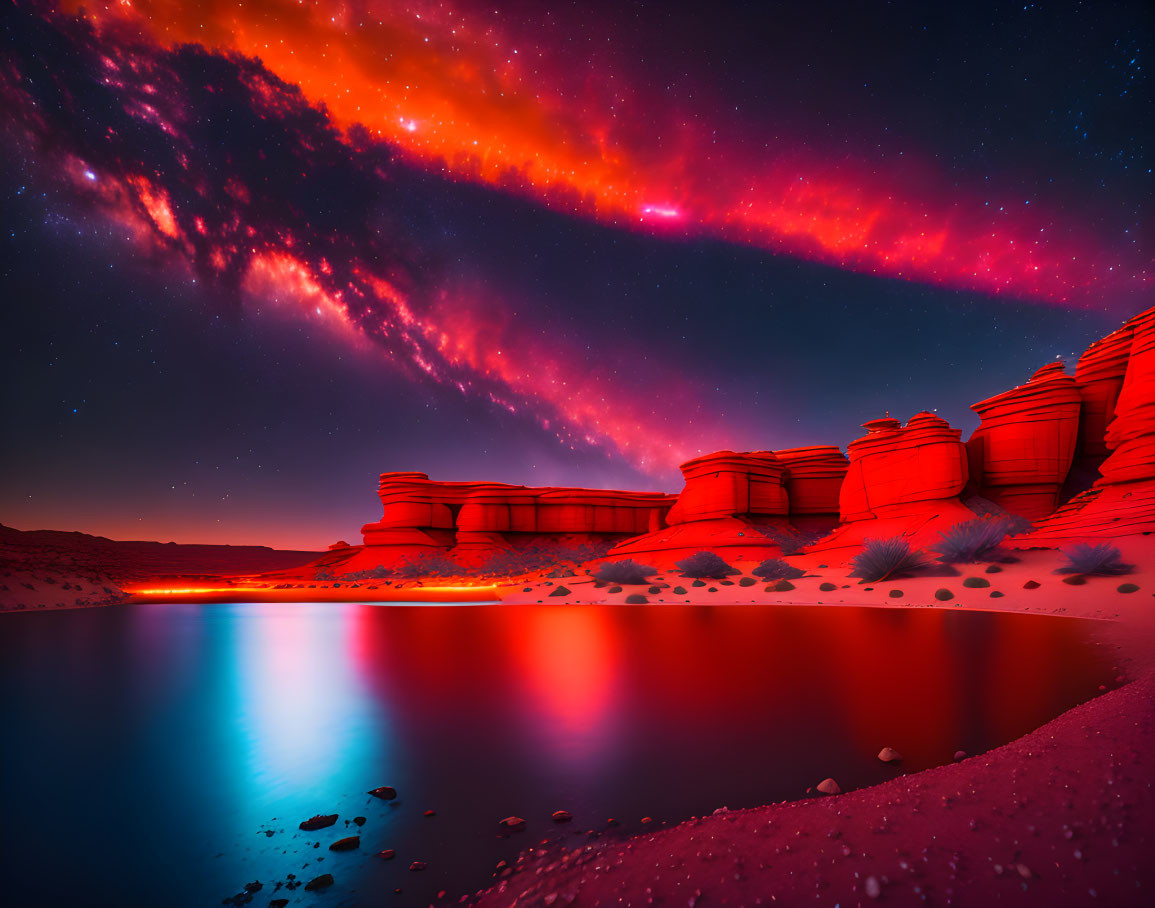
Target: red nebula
{"points": [[485, 97]]}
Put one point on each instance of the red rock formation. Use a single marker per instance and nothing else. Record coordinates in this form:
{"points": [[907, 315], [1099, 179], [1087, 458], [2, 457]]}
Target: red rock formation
{"points": [[1020, 454], [726, 493], [897, 466], [487, 516], [1099, 376], [1131, 434], [814, 478], [898, 480], [725, 484], [1122, 500], [902, 480], [421, 515]]}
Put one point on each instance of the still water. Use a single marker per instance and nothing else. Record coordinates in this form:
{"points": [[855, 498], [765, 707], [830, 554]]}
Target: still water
{"points": [[148, 750]]}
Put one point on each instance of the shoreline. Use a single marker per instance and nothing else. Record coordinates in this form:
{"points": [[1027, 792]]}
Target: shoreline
{"points": [[1060, 816]]}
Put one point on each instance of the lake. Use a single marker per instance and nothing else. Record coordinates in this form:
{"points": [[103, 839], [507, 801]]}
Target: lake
{"points": [[165, 754]]}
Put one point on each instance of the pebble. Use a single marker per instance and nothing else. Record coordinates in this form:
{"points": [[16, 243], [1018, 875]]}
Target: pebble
{"points": [[829, 786], [889, 755], [346, 844], [324, 881], [562, 816], [385, 793], [320, 821]]}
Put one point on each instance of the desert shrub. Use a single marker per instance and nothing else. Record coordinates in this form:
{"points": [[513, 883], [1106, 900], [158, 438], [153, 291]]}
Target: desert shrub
{"points": [[626, 571], [883, 558], [1099, 558], [378, 573], [777, 569], [984, 507], [705, 565], [972, 540], [323, 574], [790, 540], [431, 565]]}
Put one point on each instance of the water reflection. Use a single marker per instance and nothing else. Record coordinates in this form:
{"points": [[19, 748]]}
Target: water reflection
{"points": [[568, 665], [299, 698], [172, 736]]}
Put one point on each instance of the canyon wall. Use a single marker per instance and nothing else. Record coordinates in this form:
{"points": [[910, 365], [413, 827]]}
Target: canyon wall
{"points": [[1022, 451], [746, 506], [902, 480], [1074, 454], [1116, 382], [422, 516]]}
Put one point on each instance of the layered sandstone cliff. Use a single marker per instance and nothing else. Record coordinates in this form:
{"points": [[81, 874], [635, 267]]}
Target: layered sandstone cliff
{"points": [[902, 480], [1116, 380], [1022, 451], [421, 515], [1033, 442]]}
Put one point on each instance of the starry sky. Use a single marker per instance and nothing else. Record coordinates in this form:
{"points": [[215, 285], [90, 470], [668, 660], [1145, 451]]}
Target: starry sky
{"points": [[257, 252]]}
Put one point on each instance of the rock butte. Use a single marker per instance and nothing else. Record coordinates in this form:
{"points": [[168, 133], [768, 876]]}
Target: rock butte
{"points": [[1073, 454], [1022, 451]]}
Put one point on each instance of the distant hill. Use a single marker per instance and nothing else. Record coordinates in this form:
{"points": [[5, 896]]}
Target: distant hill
{"points": [[128, 561]]}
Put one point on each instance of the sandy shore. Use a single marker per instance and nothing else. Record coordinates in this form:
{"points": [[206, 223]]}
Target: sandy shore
{"points": [[1004, 589]]}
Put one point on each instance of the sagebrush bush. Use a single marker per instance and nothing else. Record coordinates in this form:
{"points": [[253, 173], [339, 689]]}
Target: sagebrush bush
{"points": [[984, 507], [627, 572], [777, 569], [1100, 558], [378, 573], [324, 574], [789, 540], [971, 540], [881, 559], [705, 565]]}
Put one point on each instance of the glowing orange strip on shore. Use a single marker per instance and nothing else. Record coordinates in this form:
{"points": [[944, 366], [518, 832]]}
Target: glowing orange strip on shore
{"points": [[198, 589], [180, 591]]}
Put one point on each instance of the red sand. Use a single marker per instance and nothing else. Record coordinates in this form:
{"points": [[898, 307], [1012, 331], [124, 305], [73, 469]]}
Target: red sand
{"points": [[1063, 816]]}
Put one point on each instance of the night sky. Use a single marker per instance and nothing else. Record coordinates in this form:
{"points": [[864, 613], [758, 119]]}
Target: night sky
{"points": [[256, 253]]}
